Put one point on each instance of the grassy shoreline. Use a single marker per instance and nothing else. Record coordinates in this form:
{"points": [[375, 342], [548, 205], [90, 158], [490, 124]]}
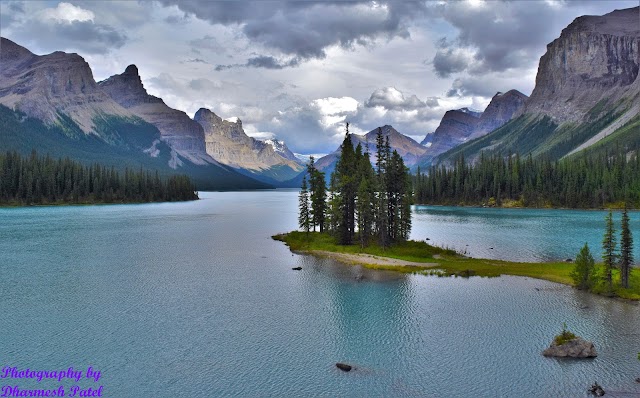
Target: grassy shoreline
{"points": [[448, 262]]}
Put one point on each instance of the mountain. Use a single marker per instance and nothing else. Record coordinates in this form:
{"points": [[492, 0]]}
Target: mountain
{"points": [[461, 125], [52, 104], [281, 149], [45, 86], [499, 111], [181, 132], [428, 140], [406, 147], [455, 128], [227, 143], [587, 94]]}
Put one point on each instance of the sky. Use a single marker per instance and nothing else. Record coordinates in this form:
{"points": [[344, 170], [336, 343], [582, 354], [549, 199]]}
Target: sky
{"points": [[297, 71]]}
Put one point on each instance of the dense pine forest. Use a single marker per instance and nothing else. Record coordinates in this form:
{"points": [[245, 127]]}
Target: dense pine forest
{"points": [[362, 204], [37, 180], [607, 179]]}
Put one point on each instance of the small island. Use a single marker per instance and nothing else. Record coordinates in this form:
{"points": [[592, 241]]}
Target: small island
{"points": [[421, 258], [364, 217], [568, 345]]}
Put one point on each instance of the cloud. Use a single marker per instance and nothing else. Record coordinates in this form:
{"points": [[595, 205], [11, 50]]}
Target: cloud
{"points": [[496, 36], [66, 12], [262, 61], [305, 30], [319, 126], [196, 61], [392, 98], [450, 60], [68, 28], [207, 43], [521, 79], [9, 12]]}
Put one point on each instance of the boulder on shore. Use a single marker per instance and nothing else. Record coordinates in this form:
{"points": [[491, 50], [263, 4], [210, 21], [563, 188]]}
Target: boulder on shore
{"points": [[575, 348]]}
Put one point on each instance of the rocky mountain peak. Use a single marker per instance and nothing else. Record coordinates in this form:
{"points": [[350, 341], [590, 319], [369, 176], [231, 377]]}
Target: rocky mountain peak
{"points": [[227, 143], [499, 111], [127, 88], [44, 86], [595, 58], [182, 133], [204, 115], [131, 70], [12, 52]]}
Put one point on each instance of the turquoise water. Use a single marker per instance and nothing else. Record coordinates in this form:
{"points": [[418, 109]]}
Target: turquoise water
{"points": [[195, 299], [517, 234]]}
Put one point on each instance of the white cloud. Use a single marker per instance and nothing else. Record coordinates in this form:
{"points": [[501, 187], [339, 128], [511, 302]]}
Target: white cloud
{"points": [[67, 13]]}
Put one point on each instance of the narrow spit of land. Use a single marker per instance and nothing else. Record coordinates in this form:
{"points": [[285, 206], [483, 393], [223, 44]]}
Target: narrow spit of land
{"points": [[421, 258]]}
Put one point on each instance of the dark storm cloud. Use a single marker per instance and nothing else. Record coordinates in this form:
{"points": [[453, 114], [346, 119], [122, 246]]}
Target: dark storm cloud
{"points": [[196, 61], [9, 11], [450, 60], [262, 61], [83, 36], [502, 35], [305, 29]]}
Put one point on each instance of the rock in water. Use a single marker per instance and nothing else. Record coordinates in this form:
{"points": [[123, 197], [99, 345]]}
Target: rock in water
{"points": [[344, 367], [576, 348], [596, 390]]}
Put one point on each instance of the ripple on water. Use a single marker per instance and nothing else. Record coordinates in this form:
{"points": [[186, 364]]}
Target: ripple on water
{"points": [[186, 299]]}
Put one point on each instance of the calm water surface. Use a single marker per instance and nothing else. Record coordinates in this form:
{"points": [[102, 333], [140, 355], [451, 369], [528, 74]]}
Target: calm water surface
{"points": [[516, 234], [195, 299]]}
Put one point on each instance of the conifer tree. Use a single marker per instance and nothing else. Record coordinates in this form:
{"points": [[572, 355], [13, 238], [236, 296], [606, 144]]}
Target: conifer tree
{"points": [[365, 199], [626, 249], [346, 191], [381, 219], [303, 207], [609, 250], [582, 273], [317, 195]]}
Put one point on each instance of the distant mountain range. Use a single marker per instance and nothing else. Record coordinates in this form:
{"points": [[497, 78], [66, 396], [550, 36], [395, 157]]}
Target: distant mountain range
{"points": [[116, 122], [586, 97]]}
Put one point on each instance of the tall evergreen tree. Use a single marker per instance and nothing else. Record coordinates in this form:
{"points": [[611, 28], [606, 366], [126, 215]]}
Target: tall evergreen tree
{"points": [[346, 190], [365, 206], [304, 221], [626, 249], [609, 250], [381, 203], [317, 195]]}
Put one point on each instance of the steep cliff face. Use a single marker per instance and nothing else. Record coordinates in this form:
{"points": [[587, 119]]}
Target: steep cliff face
{"points": [[499, 111], [596, 58], [183, 134], [462, 125], [587, 89], [455, 128], [49, 85], [227, 143]]}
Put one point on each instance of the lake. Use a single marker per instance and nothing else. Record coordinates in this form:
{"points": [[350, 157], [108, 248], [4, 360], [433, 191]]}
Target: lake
{"points": [[195, 299]]}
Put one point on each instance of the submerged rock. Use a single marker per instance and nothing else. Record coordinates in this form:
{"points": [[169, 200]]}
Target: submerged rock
{"points": [[596, 390], [575, 348], [344, 367]]}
